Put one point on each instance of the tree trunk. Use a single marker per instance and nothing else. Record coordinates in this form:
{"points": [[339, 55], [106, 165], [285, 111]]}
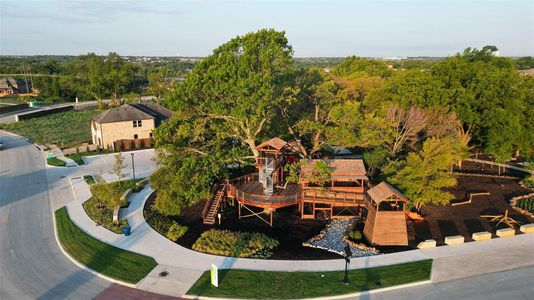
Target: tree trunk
{"points": [[252, 145]]}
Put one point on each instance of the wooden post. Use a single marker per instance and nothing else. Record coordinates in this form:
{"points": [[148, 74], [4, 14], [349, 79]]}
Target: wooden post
{"points": [[239, 210], [271, 221]]}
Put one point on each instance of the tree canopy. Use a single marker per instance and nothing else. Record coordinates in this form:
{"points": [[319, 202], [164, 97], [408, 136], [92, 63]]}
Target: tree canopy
{"points": [[410, 125]]}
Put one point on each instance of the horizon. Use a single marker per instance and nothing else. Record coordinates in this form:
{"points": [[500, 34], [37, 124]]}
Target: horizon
{"points": [[318, 29]]}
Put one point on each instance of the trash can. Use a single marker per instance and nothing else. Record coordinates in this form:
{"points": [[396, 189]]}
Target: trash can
{"points": [[126, 230]]}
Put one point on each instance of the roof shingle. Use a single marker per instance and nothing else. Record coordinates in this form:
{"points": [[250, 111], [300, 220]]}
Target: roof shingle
{"points": [[343, 169]]}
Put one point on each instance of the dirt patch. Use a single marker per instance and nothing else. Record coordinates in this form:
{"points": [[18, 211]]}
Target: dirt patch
{"points": [[442, 221]]}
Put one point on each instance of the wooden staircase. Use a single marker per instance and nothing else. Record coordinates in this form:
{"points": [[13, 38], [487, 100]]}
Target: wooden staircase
{"points": [[209, 215]]}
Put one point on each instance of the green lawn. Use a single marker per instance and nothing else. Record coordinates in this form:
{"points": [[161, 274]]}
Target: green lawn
{"points": [[54, 161], [89, 179], [77, 157], [66, 129], [98, 256], [291, 285]]}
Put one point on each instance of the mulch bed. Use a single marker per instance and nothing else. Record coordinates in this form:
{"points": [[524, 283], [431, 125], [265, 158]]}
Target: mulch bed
{"points": [[287, 228], [442, 221]]}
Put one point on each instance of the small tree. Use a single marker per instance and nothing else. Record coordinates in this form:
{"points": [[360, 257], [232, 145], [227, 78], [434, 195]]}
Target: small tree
{"points": [[118, 166], [319, 176], [108, 194], [424, 175]]}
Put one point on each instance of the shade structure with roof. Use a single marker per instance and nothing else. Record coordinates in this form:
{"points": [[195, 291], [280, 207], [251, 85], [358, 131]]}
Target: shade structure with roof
{"points": [[386, 218]]}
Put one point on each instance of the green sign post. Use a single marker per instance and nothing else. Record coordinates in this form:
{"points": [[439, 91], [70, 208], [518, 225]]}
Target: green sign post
{"points": [[214, 275]]}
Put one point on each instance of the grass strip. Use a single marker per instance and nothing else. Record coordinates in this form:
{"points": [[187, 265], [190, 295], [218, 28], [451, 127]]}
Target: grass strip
{"points": [[89, 179], [66, 129], [98, 256], [56, 162], [292, 285]]}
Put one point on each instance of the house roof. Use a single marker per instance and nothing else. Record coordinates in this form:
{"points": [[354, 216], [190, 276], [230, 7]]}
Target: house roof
{"points": [[343, 169], [122, 113], [275, 143], [159, 112], [382, 191]]}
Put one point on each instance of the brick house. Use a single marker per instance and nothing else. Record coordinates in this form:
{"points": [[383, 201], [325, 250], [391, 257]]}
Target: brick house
{"points": [[127, 122]]}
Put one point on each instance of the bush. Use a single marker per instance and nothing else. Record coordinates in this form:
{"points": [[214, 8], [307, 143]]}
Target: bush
{"points": [[101, 214], [529, 182], [526, 204], [237, 244], [355, 235], [165, 225], [176, 231]]}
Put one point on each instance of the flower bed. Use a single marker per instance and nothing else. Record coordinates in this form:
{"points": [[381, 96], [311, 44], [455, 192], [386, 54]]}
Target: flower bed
{"points": [[236, 244], [334, 239]]}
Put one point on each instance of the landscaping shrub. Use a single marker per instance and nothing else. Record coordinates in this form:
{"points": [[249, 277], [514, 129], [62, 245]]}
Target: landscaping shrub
{"points": [[526, 204], [237, 244], [105, 197], [165, 225], [101, 214], [355, 235], [529, 182], [176, 231]]}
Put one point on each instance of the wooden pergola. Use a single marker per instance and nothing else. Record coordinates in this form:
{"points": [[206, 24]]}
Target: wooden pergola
{"points": [[386, 218]]}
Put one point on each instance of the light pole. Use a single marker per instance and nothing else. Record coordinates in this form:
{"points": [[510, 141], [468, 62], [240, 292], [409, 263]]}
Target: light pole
{"points": [[348, 254], [133, 166]]}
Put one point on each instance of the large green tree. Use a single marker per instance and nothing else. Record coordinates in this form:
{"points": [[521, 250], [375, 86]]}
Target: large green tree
{"points": [[239, 87], [227, 103]]}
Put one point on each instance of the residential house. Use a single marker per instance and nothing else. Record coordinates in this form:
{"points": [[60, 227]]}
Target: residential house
{"points": [[10, 86], [128, 122]]}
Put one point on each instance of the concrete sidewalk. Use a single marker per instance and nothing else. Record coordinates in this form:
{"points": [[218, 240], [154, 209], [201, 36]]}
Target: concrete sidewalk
{"points": [[185, 266]]}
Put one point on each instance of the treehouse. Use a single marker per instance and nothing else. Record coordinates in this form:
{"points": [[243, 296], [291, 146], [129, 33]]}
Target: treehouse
{"points": [[266, 189], [386, 220], [326, 188], [340, 194]]}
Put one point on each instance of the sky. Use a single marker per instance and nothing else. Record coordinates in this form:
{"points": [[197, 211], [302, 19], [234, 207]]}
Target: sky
{"points": [[313, 28]]}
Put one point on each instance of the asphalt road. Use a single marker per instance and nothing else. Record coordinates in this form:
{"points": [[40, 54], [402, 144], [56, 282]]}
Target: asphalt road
{"points": [[31, 264]]}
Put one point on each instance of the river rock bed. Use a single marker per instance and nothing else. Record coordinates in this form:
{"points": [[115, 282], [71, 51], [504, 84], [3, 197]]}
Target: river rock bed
{"points": [[334, 239]]}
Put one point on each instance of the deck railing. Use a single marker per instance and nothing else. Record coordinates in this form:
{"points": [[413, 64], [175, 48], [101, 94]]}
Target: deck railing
{"points": [[308, 195], [260, 199]]}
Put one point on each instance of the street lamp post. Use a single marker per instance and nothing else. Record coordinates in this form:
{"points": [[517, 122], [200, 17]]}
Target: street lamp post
{"points": [[133, 166], [348, 254]]}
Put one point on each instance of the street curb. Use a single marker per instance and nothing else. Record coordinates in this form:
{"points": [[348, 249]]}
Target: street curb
{"points": [[82, 266], [358, 294]]}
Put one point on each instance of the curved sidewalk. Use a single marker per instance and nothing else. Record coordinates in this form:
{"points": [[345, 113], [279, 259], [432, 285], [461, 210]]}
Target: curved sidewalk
{"points": [[185, 266]]}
